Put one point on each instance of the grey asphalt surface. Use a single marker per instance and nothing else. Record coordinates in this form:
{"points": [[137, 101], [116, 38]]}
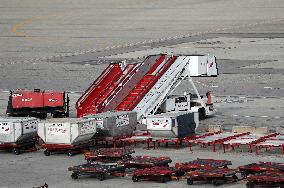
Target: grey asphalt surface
{"points": [[66, 44]]}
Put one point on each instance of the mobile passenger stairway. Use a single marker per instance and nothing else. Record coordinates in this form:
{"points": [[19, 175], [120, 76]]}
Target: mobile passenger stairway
{"points": [[143, 87]]}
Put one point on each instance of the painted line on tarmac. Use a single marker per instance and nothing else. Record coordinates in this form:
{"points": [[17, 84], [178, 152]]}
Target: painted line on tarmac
{"points": [[248, 97], [271, 20], [250, 116]]}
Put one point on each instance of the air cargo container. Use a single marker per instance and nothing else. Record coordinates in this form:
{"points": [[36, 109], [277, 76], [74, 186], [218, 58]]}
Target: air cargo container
{"points": [[38, 103], [69, 131], [115, 124], [172, 125], [17, 130], [17, 134]]}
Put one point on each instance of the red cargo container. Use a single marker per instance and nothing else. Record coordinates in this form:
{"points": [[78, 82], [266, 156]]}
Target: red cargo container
{"points": [[27, 99], [53, 99], [38, 103]]}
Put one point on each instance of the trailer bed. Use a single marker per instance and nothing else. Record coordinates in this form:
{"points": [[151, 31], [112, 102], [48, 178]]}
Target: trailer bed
{"points": [[108, 154], [158, 173], [100, 170], [275, 179], [216, 176], [202, 164], [145, 162], [261, 167]]}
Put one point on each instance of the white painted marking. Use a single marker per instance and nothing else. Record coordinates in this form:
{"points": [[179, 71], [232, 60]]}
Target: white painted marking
{"points": [[264, 116], [247, 116], [214, 86], [267, 87], [235, 115]]}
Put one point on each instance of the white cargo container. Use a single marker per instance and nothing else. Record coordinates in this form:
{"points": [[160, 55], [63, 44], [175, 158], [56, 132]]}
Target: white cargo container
{"points": [[18, 129], [66, 130], [198, 65], [115, 124], [171, 125]]}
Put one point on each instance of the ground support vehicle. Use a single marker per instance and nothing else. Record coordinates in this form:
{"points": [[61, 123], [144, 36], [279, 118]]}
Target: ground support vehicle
{"points": [[266, 179], [216, 176], [145, 162], [144, 139], [100, 170], [250, 140], [38, 103], [146, 87], [215, 139], [17, 148], [261, 167], [202, 164], [276, 142], [69, 149], [176, 141], [160, 174], [108, 155], [18, 134]]}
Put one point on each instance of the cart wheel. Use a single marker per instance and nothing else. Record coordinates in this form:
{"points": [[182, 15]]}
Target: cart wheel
{"points": [[123, 170], [189, 181], [16, 151], [250, 184], [74, 175], [47, 152], [244, 175], [101, 177], [70, 153], [216, 182], [235, 177], [163, 179], [135, 179]]}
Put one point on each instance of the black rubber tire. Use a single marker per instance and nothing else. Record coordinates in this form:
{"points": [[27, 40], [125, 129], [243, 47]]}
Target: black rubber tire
{"points": [[135, 178], [46, 152], [216, 182], [16, 151], [244, 175], [189, 181], [250, 184], [101, 177], [235, 177], [74, 175], [163, 179]]}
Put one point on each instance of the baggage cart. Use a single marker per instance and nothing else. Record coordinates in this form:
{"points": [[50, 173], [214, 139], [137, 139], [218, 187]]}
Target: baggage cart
{"points": [[100, 170], [261, 167], [18, 134], [145, 162], [202, 164], [68, 149], [266, 179], [216, 176], [108, 155], [160, 174]]}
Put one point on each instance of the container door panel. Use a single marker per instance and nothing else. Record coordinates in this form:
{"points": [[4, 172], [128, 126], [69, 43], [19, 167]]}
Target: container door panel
{"points": [[58, 133], [53, 99], [27, 100], [6, 132]]}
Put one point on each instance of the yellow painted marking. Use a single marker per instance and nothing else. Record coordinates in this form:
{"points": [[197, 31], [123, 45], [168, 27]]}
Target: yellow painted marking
{"points": [[17, 27]]}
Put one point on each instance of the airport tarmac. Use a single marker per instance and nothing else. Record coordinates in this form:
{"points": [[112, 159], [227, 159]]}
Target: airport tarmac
{"points": [[65, 45]]}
